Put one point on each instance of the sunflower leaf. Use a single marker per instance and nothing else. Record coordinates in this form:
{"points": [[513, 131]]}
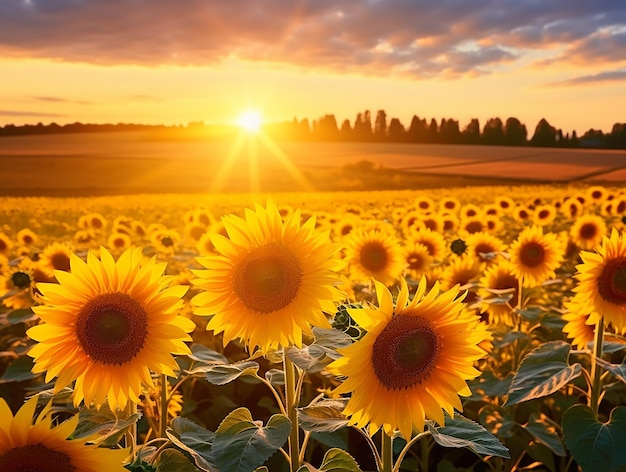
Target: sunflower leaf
{"points": [[102, 425], [242, 445], [542, 372], [21, 315], [593, 444], [463, 432], [223, 374], [205, 355], [19, 370], [324, 416], [171, 460], [307, 357], [618, 370], [335, 460], [194, 439], [544, 430]]}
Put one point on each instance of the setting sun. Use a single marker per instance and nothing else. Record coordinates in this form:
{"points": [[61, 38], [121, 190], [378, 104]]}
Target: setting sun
{"points": [[250, 121]]}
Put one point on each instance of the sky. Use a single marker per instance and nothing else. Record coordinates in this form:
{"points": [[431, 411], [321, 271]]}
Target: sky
{"points": [[180, 61]]}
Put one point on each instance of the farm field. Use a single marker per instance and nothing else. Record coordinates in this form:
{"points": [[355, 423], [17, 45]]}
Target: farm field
{"points": [[346, 306], [139, 162]]}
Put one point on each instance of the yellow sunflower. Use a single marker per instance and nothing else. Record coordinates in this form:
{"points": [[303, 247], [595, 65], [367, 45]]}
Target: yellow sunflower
{"points": [[572, 207], [579, 328], [55, 256], [107, 325], [413, 361], [270, 282], [498, 283], [449, 205], [433, 241], [119, 242], [27, 446], [418, 260], [587, 231], [535, 255], [506, 204], [27, 237], [484, 246], [17, 284], [602, 280], [374, 254], [544, 215], [5, 245], [462, 271], [597, 194]]}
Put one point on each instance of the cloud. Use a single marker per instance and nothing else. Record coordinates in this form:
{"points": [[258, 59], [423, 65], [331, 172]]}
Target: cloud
{"points": [[420, 38], [58, 100], [608, 76], [29, 113]]}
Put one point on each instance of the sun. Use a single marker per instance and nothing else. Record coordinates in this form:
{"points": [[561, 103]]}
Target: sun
{"points": [[250, 121]]}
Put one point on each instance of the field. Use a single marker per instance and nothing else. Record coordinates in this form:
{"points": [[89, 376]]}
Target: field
{"points": [[348, 306]]}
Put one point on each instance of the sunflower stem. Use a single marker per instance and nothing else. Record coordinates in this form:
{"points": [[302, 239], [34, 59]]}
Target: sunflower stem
{"points": [[386, 452], [596, 372], [163, 411], [292, 404], [131, 435]]}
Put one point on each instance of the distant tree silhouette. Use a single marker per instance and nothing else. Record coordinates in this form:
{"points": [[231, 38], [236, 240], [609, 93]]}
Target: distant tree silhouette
{"points": [[325, 128], [396, 131], [515, 133], [449, 131], [433, 131], [380, 125], [418, 130], [471, 132], [493, 132], [363, 126], [545, 134]]}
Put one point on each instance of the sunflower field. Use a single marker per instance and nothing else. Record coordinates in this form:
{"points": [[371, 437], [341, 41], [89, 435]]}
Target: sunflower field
{"points": [[465, 329]]}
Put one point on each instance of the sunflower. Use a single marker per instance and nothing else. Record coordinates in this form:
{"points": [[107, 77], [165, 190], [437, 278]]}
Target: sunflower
{"points": [[498, 283], [602, 280], [25, 446], [270, 282], [472, 225], [374, 254], [343, 227], [449, 223], [26, 237], [587, 231], [433, 241], [107, 325], [522, 213], [413, 361], [5, 245], [597, 194], [579, 328], [572, 207], [535, 255], [424, 204], [119, 242], [410, 221], [165, 241], [619, 206], [418, 260], [544, 215], [449, 205], [484, 246], [55, 256], [462, 271], [17, 284]]}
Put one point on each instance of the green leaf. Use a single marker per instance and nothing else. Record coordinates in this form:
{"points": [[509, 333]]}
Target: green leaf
{"points": [[223, 374], [335, 460], [595, 445], [530, 313], [19, 370], [194, 439], [324, 416], [543, 371], [618, 370], [21, 315], [102, 425], [203, 354], [307, 357], [331, 340], [275, 377], [171, 460], [242, 445], [462, 432], [544, 430]]}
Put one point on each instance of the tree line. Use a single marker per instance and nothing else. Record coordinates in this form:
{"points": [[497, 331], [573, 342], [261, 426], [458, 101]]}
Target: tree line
{"points": [[378, 128]]}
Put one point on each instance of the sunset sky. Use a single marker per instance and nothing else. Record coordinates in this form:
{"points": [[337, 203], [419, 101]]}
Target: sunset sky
{"points": [[177, 61]]}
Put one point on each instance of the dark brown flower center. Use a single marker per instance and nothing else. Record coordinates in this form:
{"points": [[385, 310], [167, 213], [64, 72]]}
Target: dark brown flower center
{"points": [[483, 248], [405, 352], [3, 245], [35, 458], [60, 261], [20, 279], [112, 328], [612, 281], [167, 241], [373, 256], [588, 231], [474, 227], [532, 254], [416, 261], [268, 278]]}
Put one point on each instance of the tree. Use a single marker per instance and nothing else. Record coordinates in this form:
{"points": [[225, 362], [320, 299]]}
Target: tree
{"points": [[396, 130], [449, 131], [380, 125], [433, 131], [418, 130], [493, 132], [471, 133], [515, 133], [545, 134]]}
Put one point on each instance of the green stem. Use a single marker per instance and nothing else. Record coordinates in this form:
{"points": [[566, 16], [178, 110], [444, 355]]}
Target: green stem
{"points": [[596, 371], [163, 409], [131, 435], [386, 451], [292, 405], [406, 448]]}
